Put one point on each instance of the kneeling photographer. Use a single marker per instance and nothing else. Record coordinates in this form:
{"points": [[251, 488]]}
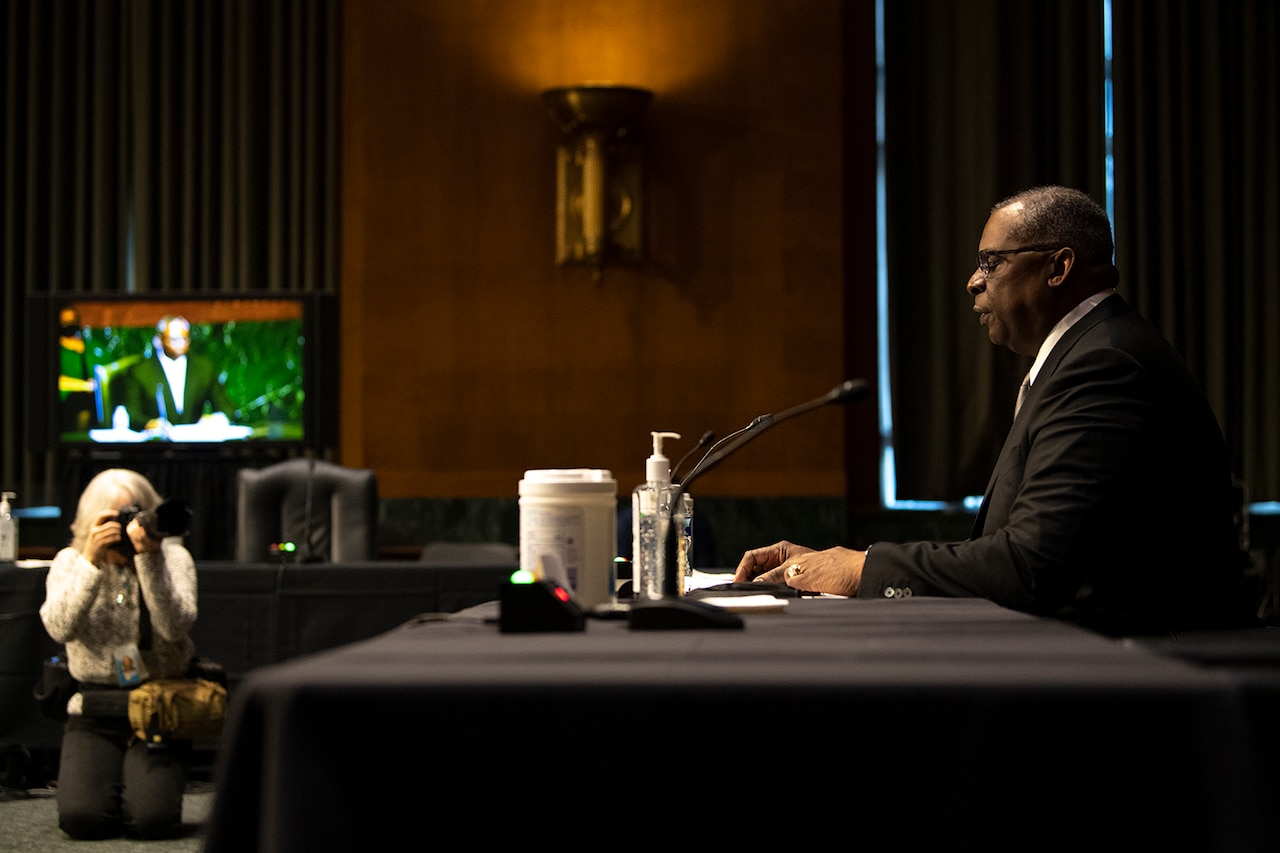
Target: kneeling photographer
{"points": [[122, 598]]}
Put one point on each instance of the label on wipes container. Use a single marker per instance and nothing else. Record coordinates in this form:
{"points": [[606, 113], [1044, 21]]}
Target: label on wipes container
{"points": [[554, 538]]}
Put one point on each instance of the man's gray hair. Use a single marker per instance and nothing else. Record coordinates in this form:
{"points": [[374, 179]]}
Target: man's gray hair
{"points": [[1062, 216]]}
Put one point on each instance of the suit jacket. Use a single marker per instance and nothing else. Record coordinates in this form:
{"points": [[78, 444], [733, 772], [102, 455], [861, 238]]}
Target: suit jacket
{"points": [[1111, 503], [203, 386]]}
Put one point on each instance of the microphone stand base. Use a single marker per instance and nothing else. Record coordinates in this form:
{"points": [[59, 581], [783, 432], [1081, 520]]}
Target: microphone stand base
{"points": [[679, 614]]}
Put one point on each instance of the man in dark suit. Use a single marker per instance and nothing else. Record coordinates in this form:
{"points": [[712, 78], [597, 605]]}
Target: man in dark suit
{"points": [[1111, 502], [174, 386]]}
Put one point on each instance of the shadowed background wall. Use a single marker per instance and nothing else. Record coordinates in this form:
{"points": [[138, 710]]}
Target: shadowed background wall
{"points": [[469, 356]]}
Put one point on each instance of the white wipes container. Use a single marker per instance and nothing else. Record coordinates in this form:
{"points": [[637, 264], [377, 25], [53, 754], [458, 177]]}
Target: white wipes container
{"points": [[569, 529]]}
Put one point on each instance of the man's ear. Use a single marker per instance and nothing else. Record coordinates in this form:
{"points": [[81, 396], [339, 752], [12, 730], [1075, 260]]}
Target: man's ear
{"points": [[1064, 261]]}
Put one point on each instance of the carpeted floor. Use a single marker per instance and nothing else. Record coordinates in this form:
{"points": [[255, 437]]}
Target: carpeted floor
{"points": [[29, 824]]}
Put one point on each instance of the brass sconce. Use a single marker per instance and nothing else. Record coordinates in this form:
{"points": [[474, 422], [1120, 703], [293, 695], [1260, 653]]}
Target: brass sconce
{"points": [[599, 174]]}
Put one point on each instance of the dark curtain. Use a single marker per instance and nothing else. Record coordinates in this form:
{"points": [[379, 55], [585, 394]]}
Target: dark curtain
{"points": [[63, 190], [982, 98], [1197, 203], [985, 97], [155, 146], [232, 144]]}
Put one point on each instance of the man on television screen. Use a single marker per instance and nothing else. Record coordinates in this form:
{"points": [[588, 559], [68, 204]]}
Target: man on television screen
{"points": [[174, 385]]}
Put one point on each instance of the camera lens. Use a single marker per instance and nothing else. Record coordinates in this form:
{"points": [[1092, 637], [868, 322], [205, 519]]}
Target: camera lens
{"points": [[125, 544]]}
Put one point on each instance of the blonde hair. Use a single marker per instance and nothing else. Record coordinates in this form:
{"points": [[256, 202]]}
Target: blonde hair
{"points": [[100, 495]]}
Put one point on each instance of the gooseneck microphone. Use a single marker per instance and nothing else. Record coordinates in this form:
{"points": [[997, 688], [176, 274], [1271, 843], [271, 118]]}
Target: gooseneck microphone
{"points": [[845, 392], [673, 612], [707, 438], [755, 424]]}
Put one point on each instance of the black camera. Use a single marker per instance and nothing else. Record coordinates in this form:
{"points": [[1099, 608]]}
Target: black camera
{"points": [[171, 518]]}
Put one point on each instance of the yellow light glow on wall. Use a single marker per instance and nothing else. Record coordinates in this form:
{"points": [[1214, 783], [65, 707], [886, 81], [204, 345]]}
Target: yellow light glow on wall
{"points": [[664, 45]]}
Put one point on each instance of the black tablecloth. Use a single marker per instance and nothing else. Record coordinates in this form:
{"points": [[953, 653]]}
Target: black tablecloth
{"points": [[890, 723]]}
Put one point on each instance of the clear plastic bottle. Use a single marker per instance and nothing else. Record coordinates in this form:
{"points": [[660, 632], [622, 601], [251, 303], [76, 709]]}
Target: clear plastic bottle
{"points": [[650, 517], [653, 510], [8, 529], [685, 519]]}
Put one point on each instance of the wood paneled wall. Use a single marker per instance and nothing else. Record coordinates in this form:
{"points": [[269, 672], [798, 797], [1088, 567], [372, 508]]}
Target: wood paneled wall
{"points": [[469, 356]]}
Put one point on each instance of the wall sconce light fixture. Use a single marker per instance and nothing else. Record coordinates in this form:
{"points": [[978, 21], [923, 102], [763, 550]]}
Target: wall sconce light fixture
{"points": [[599, 174]]}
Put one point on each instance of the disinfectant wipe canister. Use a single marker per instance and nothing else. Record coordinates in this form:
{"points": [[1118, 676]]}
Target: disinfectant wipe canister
{"points": [[568, 529]]}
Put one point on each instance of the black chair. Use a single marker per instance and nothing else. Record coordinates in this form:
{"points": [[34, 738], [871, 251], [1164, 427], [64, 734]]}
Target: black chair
{"points": [[329, 512], [470, 554]]}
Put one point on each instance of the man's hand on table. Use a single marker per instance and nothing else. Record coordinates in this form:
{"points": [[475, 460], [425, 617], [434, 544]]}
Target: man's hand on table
{"points": [[837, 570]]}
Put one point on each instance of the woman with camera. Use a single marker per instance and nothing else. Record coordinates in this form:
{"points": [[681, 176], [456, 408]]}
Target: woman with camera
{"points": [[123, 603]]}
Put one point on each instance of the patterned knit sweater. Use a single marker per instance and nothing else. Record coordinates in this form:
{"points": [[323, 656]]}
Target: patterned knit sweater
{"points": [[93, 610]]}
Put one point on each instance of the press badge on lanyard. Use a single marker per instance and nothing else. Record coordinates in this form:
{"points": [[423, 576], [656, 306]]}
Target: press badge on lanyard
{"points": [[130, 671]]}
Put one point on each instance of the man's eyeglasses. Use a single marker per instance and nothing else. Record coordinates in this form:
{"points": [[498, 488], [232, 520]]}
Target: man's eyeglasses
{"points": [[985, 256]]}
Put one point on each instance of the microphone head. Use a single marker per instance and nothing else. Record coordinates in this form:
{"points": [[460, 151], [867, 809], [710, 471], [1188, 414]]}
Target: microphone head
{"points": [[849, 390]]}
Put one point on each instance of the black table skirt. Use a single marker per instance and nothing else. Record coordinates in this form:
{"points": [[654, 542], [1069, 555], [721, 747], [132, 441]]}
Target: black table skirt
{"points": [[895, 724]]}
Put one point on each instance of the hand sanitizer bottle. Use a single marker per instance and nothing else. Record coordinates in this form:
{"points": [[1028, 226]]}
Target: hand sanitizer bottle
{"points": [[650, 518], [8, 529]]}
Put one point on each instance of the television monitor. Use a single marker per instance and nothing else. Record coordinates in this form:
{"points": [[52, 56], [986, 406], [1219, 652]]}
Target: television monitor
{"points": [[169, 369]]}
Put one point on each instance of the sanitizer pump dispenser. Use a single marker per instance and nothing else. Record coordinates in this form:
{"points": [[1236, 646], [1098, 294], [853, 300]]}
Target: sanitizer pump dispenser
{"points": [[650, 518]]}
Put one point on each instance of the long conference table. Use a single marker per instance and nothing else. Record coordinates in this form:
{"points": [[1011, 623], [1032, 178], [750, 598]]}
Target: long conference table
{"points": [[895, 724]]}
